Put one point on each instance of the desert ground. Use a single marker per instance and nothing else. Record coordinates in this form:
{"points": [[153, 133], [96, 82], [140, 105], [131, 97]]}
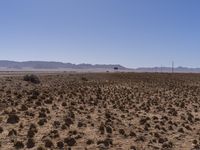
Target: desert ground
{"points": [[89, 111]]}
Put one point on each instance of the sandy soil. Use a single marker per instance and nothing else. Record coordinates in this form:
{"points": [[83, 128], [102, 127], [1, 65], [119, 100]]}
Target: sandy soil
{"points": [[117, 111]]}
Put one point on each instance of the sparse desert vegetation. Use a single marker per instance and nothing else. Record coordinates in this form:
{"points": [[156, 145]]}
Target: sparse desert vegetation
{"points": [[32, 78], [137, 111]]}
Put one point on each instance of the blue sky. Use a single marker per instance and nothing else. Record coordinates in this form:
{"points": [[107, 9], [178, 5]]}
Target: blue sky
{"points": [[134, 33]]}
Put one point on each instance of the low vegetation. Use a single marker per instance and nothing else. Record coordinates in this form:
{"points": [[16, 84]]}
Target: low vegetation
{"points": [[32, 78], [111, 111]]}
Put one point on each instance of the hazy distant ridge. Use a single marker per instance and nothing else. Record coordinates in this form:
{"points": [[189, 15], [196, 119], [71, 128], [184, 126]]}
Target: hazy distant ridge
{"points": [[54, 65], [168, 69], [51, 65]]}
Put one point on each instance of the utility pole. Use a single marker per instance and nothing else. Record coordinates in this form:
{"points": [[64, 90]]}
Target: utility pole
{"points": [[172, 66]]}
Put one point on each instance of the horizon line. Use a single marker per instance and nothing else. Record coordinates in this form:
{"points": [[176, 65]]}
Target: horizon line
{"points": [[93, 64]]}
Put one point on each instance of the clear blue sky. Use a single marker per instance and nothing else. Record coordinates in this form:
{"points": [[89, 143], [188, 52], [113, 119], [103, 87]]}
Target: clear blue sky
{"points": [[134, 33]]}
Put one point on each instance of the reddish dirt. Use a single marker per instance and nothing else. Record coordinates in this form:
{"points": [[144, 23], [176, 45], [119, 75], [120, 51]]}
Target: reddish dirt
{"points": [[117, 111]]}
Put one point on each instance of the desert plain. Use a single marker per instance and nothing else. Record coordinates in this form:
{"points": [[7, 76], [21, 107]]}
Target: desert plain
{"points": [[89, 111]]}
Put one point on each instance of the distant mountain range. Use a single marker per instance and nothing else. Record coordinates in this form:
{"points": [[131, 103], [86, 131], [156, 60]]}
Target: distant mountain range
{"points": [[51, 65], [168, 69]]}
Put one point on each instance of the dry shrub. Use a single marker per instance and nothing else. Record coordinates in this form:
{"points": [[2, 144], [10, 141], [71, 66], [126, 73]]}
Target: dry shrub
{"points": [[32, 78]]}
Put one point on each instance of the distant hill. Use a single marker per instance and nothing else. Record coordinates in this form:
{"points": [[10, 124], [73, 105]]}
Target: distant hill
{"points": [[169, 69], [54, 65], [6, 65]]}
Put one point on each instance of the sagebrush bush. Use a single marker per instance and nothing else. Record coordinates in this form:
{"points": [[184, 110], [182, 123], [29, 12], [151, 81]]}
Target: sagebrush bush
{"points": [[84, 79], [32, 78]]}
